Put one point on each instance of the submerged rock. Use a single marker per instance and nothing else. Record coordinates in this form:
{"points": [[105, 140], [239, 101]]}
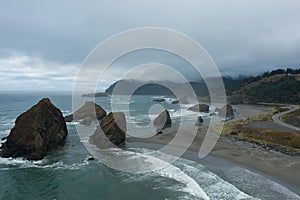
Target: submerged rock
{"points": [[162, 121], [87, 113], [226, 111], [199, 108], [90, 158], [159, 100], [38, 130], [199, 121], [111, 131]]}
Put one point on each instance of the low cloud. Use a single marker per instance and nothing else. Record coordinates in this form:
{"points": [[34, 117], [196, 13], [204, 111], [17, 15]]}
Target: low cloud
{"points": [[22, 72]]}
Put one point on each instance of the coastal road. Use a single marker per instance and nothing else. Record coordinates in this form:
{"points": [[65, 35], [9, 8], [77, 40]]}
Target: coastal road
{"points": [[276, 118]]}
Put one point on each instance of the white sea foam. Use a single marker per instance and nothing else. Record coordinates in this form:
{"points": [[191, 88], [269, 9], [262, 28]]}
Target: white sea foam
{"points": [[195, 173], [21, 163], [213, 184], [147, 165]]}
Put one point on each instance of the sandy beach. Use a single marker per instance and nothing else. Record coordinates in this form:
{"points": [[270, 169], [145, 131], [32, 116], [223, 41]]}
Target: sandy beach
{"points": [[279, 167]]}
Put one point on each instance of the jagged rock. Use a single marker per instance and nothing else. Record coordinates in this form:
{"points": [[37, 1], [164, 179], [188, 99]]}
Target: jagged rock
{"points": [[199, 121], [199, 108], [87, 113], [225, 111], [159, 100], [111, 131], [38, 130], [162, 121]]}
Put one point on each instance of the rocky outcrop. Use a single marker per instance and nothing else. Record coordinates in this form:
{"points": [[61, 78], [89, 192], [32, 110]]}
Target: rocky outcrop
{"points": [[159, 100], [199, 108], [38, 130], [111, 131], [226, 111], [162, 121], [87, 113], [199, 121]]}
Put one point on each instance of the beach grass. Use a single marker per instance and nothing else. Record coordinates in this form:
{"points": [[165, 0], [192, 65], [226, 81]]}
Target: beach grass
{"points": [[281, 140]]}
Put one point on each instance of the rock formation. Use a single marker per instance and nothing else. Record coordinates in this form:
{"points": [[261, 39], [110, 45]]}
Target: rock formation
{"points": [[38, 130], [111, 131], [199, 108], [199, 121], [87, 113], [162, 121], [159, 100], [225, 111]]}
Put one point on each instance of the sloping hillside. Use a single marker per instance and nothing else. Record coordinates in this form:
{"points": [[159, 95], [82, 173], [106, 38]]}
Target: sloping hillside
{"points": [[278, 88]]}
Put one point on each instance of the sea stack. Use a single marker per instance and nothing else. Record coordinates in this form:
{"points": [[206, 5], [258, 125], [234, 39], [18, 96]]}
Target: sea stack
{"points": [[87, 113], [226, 111], [38, 130], [199, 121], [162, 121], [111, 132]]}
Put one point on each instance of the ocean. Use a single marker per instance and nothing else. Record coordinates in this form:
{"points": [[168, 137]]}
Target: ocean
{"points": [[67, 174]]}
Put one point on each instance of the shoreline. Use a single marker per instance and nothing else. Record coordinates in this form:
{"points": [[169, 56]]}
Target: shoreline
{"points": [[281, 168]]}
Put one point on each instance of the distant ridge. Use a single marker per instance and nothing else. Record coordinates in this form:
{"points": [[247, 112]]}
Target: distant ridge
{"points": [[155, 88], [277, 86]]}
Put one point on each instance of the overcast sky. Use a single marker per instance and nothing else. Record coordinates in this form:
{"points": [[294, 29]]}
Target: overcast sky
{"points": [[42, 44]]}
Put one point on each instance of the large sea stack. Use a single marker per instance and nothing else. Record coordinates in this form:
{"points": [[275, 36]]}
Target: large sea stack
{"points": [[38, 130], [88, 112], [111, 131], [162, 121]]}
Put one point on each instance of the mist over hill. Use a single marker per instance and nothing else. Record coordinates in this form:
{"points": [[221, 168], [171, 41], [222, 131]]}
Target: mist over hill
{"points": [[277, 86]]}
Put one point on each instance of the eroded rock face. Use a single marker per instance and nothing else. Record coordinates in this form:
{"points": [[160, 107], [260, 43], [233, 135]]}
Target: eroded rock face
{"points": [[111, 131], [162, 121], [226, 111], [87, 113], [199, 108], [38, 130]]}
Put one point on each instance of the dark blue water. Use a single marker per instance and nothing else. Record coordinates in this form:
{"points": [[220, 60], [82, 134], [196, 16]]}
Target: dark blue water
{"points": [[66, 173]]}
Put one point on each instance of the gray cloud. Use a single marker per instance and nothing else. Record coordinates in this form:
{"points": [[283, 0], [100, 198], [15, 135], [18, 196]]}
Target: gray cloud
{"points": [[243, 37]]}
